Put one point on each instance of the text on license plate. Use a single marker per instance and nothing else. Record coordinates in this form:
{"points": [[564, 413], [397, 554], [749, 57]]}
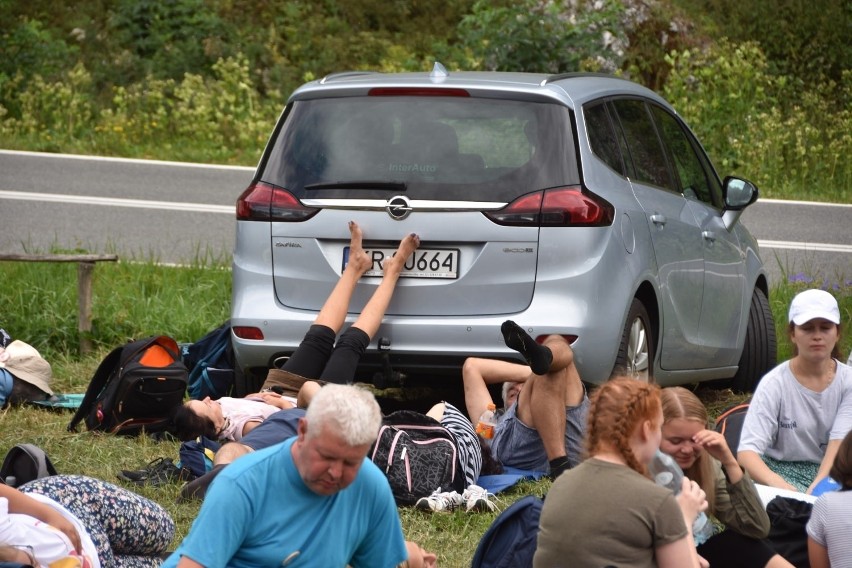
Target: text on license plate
{"points": [[423, 263]]}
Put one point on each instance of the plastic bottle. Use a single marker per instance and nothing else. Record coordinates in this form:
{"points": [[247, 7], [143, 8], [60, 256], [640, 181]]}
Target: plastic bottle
{"points": [[485, 426], [667, 473]]}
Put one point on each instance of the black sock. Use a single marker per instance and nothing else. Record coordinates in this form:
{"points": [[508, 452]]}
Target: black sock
{"points": [[538, 357], [558, 465]]}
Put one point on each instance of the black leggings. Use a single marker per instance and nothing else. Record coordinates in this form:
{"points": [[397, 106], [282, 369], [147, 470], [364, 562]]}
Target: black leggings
{"points": [[318, 357], [733, 550]]}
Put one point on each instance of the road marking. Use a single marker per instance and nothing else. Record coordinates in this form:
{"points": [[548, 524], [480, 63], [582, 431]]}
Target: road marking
{"points": [[793, 245], [116, 202], [795, 202], [125, 160]]}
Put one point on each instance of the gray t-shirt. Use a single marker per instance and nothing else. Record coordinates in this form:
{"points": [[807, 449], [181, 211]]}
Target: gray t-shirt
{"points": [[789, 422]]}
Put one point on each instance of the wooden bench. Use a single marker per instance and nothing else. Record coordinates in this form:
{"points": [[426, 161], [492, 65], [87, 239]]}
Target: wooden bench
{"points": [[85, 267]]}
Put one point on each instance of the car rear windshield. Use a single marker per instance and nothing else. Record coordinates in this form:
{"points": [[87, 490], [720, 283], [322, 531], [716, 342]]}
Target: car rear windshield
{"points": [[425, 147]]}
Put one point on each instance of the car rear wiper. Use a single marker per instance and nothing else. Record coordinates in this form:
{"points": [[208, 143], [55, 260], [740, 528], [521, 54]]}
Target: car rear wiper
{"points": [[359, 184]]}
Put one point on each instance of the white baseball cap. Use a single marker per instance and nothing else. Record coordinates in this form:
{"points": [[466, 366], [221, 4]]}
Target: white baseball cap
{"points": [[812, 304]]}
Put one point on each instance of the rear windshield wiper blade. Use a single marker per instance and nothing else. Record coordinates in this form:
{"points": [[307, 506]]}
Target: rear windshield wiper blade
{"points": [[359, 184]]}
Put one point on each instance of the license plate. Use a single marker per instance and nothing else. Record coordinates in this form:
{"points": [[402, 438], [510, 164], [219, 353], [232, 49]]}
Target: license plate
{"points": [[423, 263]]}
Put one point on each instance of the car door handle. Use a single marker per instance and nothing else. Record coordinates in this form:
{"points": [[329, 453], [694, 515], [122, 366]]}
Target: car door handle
{"points": [[709, 236], [658, 219]]}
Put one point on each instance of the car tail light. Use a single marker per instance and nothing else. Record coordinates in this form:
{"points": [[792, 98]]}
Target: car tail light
{"points": [[265, 202], [558, 207], [244, 332]]}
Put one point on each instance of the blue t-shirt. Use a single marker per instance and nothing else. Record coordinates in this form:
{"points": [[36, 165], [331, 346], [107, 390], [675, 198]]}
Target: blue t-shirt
{"points": [[259, 512]]}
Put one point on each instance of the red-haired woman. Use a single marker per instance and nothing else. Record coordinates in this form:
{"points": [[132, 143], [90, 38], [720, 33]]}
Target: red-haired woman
{"points": [[606, 511]]}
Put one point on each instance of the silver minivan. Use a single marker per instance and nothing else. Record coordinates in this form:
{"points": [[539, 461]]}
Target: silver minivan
{"points": [[577, 204]]}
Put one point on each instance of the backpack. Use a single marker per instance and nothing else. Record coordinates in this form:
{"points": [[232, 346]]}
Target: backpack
{"points": [[196, 456], [135, 388], [418, 456], [23, 463], [210, 362], [788, 518], [511, 539], [730, 424]]}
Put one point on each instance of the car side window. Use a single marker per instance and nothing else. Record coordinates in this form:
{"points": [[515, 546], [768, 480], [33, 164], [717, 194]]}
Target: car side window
{"points": [[695, 181], [602, 137], [646, 152]]}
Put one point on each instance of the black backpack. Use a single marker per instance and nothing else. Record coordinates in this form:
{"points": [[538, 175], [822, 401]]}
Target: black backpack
{"points": [[730, 424], [418, 456], [511, 539], [788, 518], [210, 362], [23, 463], [135, 388]]}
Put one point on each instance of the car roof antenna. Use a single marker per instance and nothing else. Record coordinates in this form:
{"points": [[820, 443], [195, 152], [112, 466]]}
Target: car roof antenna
{"points": [[439, 72]]}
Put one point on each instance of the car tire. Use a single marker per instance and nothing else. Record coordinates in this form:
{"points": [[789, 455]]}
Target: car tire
{"points": [[636, 352], [759, 350]]}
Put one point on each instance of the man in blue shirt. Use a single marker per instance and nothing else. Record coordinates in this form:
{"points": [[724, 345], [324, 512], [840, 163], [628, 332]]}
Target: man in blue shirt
{"points": [[314, 500]]}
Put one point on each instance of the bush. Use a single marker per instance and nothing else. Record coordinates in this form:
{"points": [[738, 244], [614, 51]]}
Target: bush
{"points": [[788, 141]]}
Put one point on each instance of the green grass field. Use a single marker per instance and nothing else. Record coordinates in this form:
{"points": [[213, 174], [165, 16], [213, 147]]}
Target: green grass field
{"points": [[133, 300]]}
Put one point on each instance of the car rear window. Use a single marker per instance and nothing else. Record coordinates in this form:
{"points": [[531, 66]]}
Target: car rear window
{"points": [[443, 148]]}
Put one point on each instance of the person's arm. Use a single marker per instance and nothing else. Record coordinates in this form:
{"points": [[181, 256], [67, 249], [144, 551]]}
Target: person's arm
{"points": [[826, 463], [23, 504], [817, 554], [760, 472], [478, 373], [681, 553]]}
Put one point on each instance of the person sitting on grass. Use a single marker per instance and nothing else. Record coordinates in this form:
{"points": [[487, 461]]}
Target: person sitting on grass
{"points": [[802, 408], [313, 500], [543, 430], [606, 511], [830, 526], [704, 457], [73, 520]]}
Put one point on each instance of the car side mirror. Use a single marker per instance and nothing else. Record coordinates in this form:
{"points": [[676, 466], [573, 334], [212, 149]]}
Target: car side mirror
{"points": [[739, 194]]}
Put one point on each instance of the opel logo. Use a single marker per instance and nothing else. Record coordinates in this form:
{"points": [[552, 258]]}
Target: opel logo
{"points": [[398, 207]]}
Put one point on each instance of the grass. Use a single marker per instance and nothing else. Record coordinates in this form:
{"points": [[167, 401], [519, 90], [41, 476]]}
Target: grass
{"points": [[133, 300]]}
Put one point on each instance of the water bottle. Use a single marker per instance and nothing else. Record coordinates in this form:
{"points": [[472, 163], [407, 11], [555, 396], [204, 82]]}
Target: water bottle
{"points": [[485, 426], [667, 473]]}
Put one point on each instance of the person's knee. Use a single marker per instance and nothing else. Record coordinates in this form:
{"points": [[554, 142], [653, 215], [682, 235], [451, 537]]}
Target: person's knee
{"points": [[229, 452], [306, 393]]}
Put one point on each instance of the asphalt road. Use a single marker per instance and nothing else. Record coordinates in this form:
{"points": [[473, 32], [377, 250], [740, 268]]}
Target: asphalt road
{"points": [[175, 213]]}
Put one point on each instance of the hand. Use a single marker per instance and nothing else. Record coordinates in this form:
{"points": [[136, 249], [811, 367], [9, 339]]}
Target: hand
{"points": [[715, 444], [65, 526], [692, 500], [418, 557], [275, 399], [703, 562]]}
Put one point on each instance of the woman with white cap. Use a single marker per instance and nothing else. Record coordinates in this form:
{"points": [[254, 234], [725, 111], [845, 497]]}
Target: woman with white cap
{"points": [[801, 409]]}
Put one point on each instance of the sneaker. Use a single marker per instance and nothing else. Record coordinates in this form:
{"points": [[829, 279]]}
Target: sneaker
{"points": [[446, 502], [476, 498], [158, 472]]}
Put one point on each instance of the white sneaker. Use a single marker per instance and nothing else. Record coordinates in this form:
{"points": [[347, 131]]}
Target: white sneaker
{"points": [[447, 501], [478, 499]]}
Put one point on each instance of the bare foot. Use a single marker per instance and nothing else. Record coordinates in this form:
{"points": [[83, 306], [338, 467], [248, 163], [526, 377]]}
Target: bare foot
{"points": [[359, 261], [392, 266]]}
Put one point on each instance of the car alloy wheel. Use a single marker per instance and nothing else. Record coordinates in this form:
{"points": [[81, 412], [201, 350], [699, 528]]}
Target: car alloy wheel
{"points": [[636, 352]]}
